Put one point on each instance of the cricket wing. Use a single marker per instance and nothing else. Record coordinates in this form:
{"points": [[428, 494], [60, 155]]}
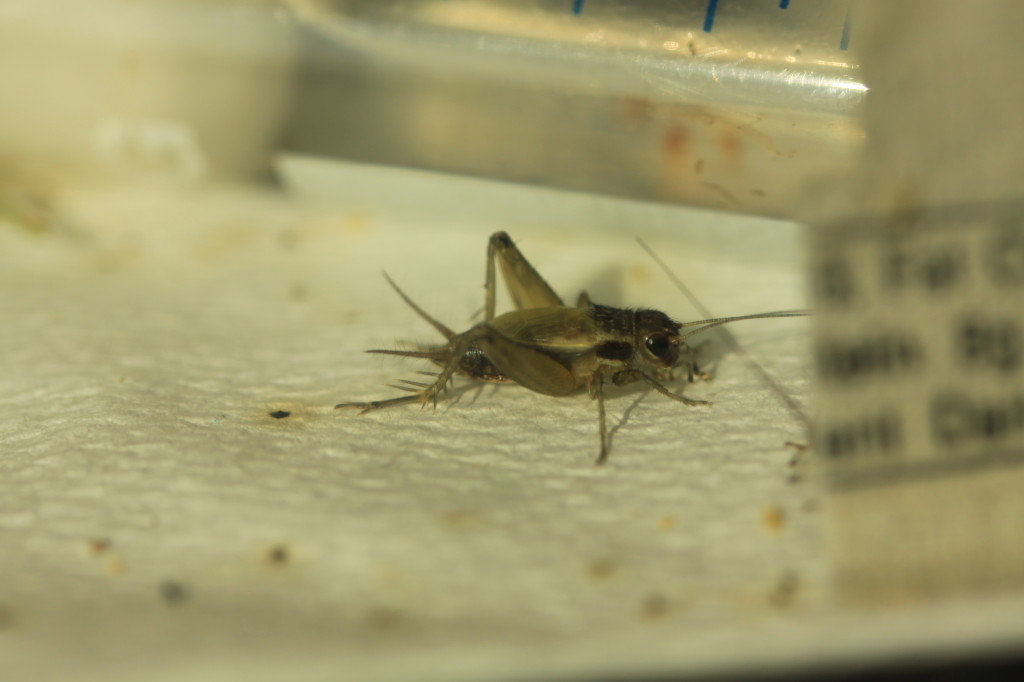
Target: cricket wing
{"points": [[559, 331]]}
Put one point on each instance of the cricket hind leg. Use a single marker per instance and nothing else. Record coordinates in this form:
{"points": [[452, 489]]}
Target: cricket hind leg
{"points": [[448, 358], [597, 392], [526, 287], [420, 392]]}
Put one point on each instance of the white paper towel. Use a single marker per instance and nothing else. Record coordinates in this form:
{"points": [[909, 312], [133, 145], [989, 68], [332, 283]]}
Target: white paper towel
{"points": [[157, 522]]}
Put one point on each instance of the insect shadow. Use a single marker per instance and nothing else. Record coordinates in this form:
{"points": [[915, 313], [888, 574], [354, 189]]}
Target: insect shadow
{"points": [[551, 348]]}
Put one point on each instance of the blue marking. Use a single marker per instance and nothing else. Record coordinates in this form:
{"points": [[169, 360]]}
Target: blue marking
{"points": [[577, 6], [783, 4], [844, 40], [709, 16]]}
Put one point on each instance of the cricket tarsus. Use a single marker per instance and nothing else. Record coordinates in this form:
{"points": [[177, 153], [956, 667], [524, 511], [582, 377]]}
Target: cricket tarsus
{"points": [[550, 348]]}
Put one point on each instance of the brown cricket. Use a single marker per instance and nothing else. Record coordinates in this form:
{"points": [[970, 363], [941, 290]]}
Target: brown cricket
{"points": [[551, 348]]}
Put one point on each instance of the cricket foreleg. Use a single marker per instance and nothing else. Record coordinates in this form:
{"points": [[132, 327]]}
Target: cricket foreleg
{"points": [[596, 388], [631, 375], [669, 394]]}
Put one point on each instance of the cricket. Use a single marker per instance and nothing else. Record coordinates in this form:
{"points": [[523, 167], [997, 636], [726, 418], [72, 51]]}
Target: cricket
{"points": [[553, 349]]}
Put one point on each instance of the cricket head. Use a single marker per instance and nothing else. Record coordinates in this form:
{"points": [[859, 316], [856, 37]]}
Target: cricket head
{"points": [[657, 345]]}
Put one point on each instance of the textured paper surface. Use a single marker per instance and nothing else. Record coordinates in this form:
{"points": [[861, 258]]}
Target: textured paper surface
{"points": [[157, 522]]}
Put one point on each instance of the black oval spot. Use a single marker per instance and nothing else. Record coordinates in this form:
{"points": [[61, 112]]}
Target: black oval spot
{"points": [[280, 414], [614, 350], [173, 592]]}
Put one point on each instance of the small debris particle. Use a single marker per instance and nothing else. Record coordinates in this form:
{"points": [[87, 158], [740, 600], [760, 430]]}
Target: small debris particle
{"points": [[675, 141], [357, 223], [601, 569], [278, 555], [114, 566], [389, 574], [460, 518], [773, 520], [798, 450], [383, 619], [655, 606], [784, 592], [280, 414], [97, 546], [173, 592], [796, 461]]}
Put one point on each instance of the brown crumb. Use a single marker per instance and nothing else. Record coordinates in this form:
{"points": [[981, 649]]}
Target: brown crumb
{"points": [[785, 590], [173, 592], [97, 546], [460, 518], [383, 619], [773, 520], [655, 606], [114, 566], [277, 555], [601, 569]]}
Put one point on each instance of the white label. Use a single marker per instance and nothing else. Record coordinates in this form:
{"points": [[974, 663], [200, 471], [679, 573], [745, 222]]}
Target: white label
{"points": [[920, 344]]}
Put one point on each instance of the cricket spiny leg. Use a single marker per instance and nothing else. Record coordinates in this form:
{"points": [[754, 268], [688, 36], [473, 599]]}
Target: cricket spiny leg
{"points": [[695, 371], [669, 394], [417, 396], [489, 292], [423, 393]]}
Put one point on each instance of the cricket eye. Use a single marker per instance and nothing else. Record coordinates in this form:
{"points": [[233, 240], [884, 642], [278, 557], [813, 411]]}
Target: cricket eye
{"points": [[658, 345]]}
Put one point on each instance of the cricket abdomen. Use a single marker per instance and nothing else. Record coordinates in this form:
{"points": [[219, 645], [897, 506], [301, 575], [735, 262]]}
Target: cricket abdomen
{"points": [[476, 365]]}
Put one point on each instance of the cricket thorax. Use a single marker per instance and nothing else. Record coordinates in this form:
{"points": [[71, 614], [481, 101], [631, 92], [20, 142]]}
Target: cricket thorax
{"points": [[635, 338]]}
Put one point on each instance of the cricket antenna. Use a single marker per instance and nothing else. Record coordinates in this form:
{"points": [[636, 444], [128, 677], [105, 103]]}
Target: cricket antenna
{"points": [[718, 321], [730, 340]]}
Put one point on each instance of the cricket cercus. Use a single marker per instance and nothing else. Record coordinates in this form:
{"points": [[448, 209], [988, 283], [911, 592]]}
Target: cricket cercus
{"points": [[551, 348]]}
